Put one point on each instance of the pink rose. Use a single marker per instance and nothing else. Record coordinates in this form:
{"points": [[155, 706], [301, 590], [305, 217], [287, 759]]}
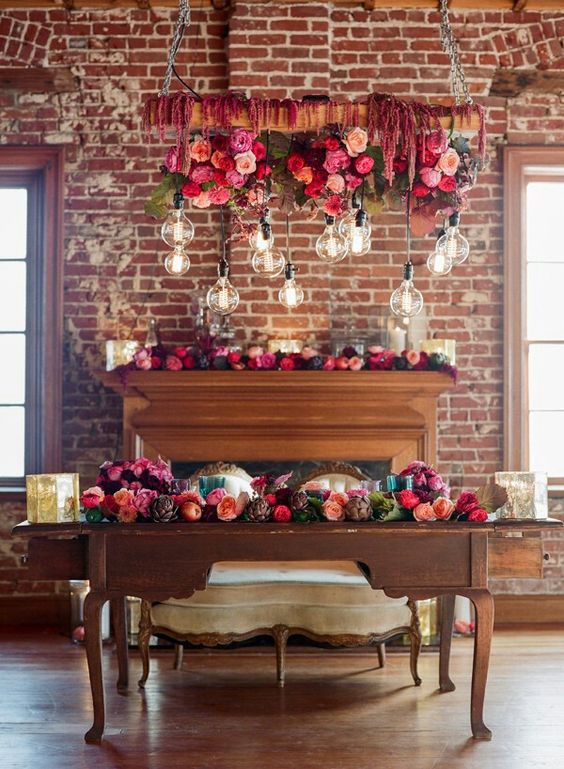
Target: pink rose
{"points": [[304, 175], [435, 483], [356, 141], [200, 150], [437, 142], [215, 496], [448, 162], [268, 361], [201, 174], [375, 349], [240, 141], [412, 357], [227, 508], [333, 511], [203, 200], [309, 352], [92, 497], [443, 508], [335, 183], [216, 159], [353, 181], [466, 502], [424, 512], [355, 363], [255, 351], [191, 190], [235, 179], [245, 163], [219, 196], [339, 497], [142, 501], [287, 364], [364, 164], [173, 160], [329, 364], [430, 176], [173, 363], [114, 472], [143, 362], [335, 160], [419, 479], [313, 486]]}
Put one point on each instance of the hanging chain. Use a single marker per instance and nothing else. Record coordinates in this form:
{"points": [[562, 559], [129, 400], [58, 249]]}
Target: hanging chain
{"points": [[182, 23], [450, 47]]}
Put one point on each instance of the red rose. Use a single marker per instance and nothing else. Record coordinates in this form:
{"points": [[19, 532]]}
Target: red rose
{"points": [[364, 164], [287, 364], [180, 352], [189, 362], [282, 514], [466, 502], [226, 164], [295, 163], [400, 165], [219, 177], [271, 499], [259, 150], [191, 190], [313, 190], [220, 142], [253, 364], [263, 170], [156, 362], [447, 184], [479, 515], [173, 363], [109, 505], [420, 190], [408, 499], [332, 143], [233, 357]]}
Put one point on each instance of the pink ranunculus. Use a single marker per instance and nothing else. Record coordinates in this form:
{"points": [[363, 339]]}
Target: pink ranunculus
{"points": [[215, 496], [430, 176], [329, 363], [339, 497], [235, 179], [419, 479], [240, 140], [334, 205], [435, 483], [356, 141], [173, 363], [203, 200], [424, 512], [282, 514], [255, 351], [333, 511], [92, 497], [200, 150], [355, 363], [268, 361], [173, 160], [114, 472], [216, 159], [336, 160], [443, 508], [201, 174], [142, 501], [335, 183], [437, 142], [364, 164], [219, 195], [245, 163], [353, 181], [448, 162], [412, 357]]}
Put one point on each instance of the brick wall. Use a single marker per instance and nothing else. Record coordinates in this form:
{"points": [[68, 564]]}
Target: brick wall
{"points": [[111, 248]]}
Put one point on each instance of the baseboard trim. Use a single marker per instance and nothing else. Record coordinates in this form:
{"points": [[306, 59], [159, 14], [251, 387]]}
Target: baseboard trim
{"points": [[47, 610], [528, 609]]}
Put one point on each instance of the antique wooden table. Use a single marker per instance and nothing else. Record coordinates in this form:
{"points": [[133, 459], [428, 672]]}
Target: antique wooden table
{"points": [[160, 561]]}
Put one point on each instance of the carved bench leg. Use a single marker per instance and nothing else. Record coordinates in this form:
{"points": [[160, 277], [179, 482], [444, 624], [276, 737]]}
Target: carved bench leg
{"points": [[178, 656], [143, 639], [280, 633], [446, 619], [381, 654], [415, 640]]}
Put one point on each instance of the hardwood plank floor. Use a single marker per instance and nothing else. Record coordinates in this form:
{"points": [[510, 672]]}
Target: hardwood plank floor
{"points": [[223, 710]]}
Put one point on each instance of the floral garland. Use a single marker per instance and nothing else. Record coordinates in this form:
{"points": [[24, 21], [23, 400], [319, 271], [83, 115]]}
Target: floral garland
{"points": [[149, 497], [376, 358]]}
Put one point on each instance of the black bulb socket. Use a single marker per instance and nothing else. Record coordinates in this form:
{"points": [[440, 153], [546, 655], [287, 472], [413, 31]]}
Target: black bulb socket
{"points": [[290, 271], [408, 271], [361, 218], [178, 200], [265, 229], [441, 232], [223, 268], [329, 219], [454, 220]]}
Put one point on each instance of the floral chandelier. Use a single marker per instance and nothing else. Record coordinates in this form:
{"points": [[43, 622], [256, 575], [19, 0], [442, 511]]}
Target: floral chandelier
{"points": [[345, 160]]}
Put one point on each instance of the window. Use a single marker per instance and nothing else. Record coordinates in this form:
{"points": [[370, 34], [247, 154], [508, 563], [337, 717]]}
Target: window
{"points": [[30, 312], [534, 311]]}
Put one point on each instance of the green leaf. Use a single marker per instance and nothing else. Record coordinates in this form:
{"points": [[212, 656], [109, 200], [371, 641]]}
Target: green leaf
{"points": [[397, 514], [491, 497], [161, 198]]}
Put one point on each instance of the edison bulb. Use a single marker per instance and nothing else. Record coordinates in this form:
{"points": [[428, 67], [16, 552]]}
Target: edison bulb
{"points": [[290, 295], [356, 228], [223, 297], [177, 262], [269, 262], [347, 221], [453, 245], [177, 228], [406, 301], [331, 246], [262, 239], [439, 262]]}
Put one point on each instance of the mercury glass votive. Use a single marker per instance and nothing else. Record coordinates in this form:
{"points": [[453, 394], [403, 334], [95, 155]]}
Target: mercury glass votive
{"points": [[527, 494], [285, 345], [445, 346], [52, 498], [120, 352]]}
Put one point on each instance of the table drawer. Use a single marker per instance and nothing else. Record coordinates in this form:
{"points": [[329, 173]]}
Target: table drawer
{"points": [[57, 559], [515, 558]]}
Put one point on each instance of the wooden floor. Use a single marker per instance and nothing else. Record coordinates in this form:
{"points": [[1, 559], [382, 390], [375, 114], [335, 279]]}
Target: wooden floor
{"points": [[336, 712]]}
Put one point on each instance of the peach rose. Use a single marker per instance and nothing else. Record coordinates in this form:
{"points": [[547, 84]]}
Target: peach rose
{"points": [[449, 162], [304, 175], [335, 183], [203, 200], [124, 498], [216, 158], [313, 486], [127, 514], [200, 150], [246, 163], [424, 512], [355, 363], [443, 508], [333, 511], [413, 357], [227, 508], [339, 497], [255, 351], [356, 141]]}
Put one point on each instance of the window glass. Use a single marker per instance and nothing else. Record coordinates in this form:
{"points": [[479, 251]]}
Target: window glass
{"points": [[13, 223], [12, 381], [546, 377], [12, 296], [545, 318], [546, 449], [545, 209], [12, 429]]}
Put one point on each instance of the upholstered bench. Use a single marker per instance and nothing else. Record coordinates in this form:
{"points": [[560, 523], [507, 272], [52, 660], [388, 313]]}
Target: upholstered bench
{"points": [[329, 602]]}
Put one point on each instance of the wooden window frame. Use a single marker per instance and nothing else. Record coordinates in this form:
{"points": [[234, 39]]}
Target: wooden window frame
{"points": [[40, 169], [521, 164]]}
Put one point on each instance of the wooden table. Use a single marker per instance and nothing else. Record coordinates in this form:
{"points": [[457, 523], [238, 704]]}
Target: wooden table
{"points": [[160, 561]]}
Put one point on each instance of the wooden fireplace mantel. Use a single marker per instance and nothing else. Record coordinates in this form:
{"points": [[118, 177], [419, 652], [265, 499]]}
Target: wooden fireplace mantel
{"points": [[278, 415]]}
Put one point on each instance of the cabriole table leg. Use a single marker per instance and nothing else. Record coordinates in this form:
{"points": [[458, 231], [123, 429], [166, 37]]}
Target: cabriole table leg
{"points": [[446, 607], [119, 622], [484, 605], [93, 642]]}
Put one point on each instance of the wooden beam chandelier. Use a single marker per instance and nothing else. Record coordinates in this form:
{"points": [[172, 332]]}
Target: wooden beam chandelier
{"points": [[346, 160]]}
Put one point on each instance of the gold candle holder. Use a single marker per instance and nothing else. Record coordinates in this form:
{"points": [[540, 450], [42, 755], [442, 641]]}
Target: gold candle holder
{"points": [[445, 346], [285, 345], [120, 352], [53, 498]]}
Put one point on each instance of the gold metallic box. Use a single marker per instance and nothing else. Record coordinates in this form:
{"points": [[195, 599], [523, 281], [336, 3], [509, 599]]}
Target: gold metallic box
{"points": [[53, 498]]}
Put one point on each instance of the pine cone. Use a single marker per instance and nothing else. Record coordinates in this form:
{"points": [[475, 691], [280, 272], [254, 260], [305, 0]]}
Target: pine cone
{"points": [[299, 501], [358, 509], [163, 509], [258, 510]]}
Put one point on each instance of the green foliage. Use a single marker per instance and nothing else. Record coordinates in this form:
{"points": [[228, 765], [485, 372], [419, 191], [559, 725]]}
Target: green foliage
{"points": [[94, 515], [381, 505], [160, 201], [398, 513]]}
